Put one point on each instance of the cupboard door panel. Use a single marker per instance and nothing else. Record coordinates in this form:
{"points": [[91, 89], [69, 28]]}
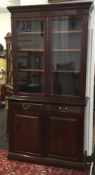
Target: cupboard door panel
{"points": [[26, 133], [65, 137]]}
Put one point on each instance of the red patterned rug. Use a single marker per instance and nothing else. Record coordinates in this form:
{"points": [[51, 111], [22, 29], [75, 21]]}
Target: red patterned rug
{"points": [[9, 167]]}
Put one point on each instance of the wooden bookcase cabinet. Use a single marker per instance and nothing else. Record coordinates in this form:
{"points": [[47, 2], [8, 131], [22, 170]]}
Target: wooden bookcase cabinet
{"points": [[46, 110]]}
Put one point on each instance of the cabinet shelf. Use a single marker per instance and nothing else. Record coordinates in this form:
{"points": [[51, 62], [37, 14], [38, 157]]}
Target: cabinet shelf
{"points": [[67, 50], [32, 70], [31, 50], [66, 31], [30, 33], [33, 85], [55, 50]]}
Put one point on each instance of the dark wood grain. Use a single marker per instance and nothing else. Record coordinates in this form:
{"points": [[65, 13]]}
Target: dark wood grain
{"points": [[48, 127]]}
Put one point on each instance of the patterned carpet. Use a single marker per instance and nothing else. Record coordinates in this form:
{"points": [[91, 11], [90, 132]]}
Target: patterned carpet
{"points": [[10, 167]]}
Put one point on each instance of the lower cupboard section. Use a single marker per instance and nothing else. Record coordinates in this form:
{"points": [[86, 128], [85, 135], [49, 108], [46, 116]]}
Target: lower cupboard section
{"points": [[46, 133]]}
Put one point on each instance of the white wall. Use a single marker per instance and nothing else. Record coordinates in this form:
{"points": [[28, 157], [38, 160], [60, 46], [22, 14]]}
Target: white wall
{"points": [[5, 19], [88, 135], [32, 2], [5, 27]]}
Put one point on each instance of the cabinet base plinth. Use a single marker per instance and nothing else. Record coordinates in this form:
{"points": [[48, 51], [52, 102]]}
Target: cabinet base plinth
{"points": [[46, 161]]}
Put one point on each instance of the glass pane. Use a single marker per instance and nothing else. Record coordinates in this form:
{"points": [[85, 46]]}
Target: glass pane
{"points": [[28, 60], [66, 41], [31, 72], [66, 56], [30, 42], [30, 26], [31, 82], [67, 84], [66, 25], [30, 35], [30, 39]]}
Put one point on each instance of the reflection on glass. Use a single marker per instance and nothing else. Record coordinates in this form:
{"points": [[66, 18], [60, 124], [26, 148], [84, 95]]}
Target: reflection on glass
{"points": [[30, 35], [65, 83], [31, 72], [66, 56], [30, 26], [30, 40], [66, 25], [66, 41], [28, 60], [35, 41], [31, 82], [66, 61]]}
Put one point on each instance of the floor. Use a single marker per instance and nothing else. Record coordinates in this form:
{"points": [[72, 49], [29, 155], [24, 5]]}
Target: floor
{"points": [[3, 140]]}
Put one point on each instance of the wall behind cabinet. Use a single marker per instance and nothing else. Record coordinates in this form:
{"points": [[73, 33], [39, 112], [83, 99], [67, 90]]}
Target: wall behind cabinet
{"points": [[5, 27]]}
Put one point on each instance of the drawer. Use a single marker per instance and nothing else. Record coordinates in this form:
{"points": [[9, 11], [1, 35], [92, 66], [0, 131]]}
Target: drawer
{"points": [[28, 107], [64, 109]]}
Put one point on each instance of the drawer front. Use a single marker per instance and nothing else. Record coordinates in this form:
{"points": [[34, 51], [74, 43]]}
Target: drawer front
{"points": [[28, 107], [64, 109]]}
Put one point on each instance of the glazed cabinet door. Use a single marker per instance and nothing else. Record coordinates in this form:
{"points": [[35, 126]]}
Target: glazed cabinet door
{"points": [[65, 132], [30, 56], [26, 128], [67, 64]]}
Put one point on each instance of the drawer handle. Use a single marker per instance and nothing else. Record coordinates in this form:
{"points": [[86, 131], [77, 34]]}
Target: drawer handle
{"points": [[65, 109], [26, 106]]}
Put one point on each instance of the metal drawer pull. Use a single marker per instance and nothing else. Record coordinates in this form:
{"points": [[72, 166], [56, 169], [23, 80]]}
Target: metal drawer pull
{"points": [[65, 109], [26, 106]]}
